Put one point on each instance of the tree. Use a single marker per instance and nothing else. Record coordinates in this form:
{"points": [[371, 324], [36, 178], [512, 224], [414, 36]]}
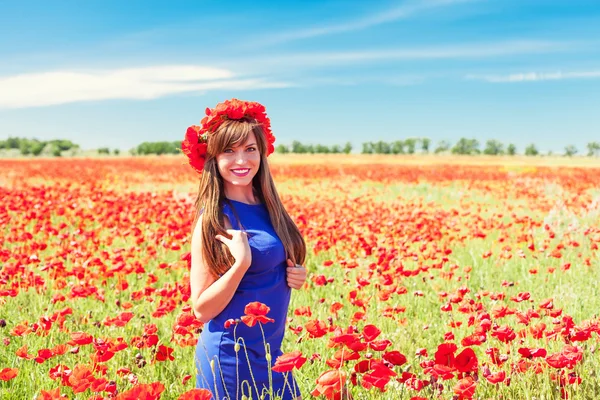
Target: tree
{"points": [[103, 150], [531, 150], [425, 142], [382, 147], [282, 148], [347, 148], [442, 147], [411, 144], [466, 146], [336, 149], [570, 150], [62, 144], [320, 148], [367, 148], [397, 147], [24, 147], [157, 148], [13, 143], [593, 149], [511, 150], [298, 147], [56, 152], [116, 152], [37, 147], [493, 148]]}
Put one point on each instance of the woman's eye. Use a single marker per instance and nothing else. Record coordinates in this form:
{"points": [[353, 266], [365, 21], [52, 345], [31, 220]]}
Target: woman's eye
{"points": [[252, 148], [227, 151]]}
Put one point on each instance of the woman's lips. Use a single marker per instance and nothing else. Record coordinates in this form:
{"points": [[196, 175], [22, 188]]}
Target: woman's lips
{"points": [[241, 172]]}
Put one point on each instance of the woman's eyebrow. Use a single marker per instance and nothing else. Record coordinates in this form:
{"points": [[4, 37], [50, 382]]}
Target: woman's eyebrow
{"points": [[251, 144]]}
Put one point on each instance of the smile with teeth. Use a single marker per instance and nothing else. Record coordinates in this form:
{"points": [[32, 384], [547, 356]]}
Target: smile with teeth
{"points": [[241, 171]]}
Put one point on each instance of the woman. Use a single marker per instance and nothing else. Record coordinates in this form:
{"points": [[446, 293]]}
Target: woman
{"points": [[245, 250]]}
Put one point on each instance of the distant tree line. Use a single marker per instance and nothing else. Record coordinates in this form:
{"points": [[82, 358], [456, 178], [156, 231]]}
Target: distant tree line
{"points": [[301, 148], [37, 147], [406, 146], [157, 148], [464, 146]]}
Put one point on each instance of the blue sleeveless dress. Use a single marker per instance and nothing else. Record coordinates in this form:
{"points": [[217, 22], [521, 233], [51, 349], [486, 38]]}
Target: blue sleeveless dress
{"points": [[231, 374]]}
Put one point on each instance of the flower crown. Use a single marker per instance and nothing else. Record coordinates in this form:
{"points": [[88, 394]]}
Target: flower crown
{"points": [[196, 138]]}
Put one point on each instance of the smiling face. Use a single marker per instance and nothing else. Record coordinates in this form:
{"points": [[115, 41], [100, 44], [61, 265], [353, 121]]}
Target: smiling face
{"points": [[238, 164]]}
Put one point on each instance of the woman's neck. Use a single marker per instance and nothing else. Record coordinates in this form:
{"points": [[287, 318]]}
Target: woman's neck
{"points": [[244, 194]]}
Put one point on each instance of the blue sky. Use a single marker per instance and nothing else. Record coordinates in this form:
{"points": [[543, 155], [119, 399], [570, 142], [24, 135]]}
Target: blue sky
{"points": [[116, 73]]}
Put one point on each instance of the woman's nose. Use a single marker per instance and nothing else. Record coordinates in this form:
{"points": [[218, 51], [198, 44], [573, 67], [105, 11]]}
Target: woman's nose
{"points": [[240, 157]]}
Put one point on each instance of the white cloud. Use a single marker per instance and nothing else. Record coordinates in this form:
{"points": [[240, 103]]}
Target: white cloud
{"points": [[68, 86], [60, 87], [536, 76], [461, 51], [387, 16]]}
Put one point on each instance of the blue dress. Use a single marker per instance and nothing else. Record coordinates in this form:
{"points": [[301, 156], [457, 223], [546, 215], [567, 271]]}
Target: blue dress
{"points": [[246, 371]]}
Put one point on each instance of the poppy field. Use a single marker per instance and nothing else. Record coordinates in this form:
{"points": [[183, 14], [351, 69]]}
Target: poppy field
{"points": [[437, 281]]}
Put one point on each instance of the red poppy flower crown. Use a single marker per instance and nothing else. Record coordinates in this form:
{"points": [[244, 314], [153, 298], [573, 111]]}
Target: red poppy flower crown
{"points": [[196, 138]]}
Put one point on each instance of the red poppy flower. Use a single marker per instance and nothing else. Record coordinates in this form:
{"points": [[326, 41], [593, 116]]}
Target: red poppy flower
{"points": [[394, 357], [531, 353], [378, 377], [256, 312], [22, 353], [504, 334], [81, 378], [8, 373], [53, 394], [43, 355], [316, 328], [80, 338], [196, 394], [191, 147], [330, 384], [342, 356], [445, 354], [497, 377], [466, 361], [465, 388], [150, 391], [288, 361], [164, 353], [370, 333]]}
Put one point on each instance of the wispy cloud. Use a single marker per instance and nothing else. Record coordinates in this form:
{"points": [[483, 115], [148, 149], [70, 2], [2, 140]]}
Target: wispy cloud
{"points": [[60, 87], [459, 51], [393, 14], [536, 76], [144, 83], [355, 80]]}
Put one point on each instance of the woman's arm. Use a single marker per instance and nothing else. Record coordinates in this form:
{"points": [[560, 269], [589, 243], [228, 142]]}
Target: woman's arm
{"points": [[209, 294]]}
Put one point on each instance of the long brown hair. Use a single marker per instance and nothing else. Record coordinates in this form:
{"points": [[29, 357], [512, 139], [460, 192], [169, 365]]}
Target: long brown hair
{"points": [[211, 196]]}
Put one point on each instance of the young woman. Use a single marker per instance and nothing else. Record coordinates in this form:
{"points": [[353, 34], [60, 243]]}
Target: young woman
{"points": [[246, 250]]}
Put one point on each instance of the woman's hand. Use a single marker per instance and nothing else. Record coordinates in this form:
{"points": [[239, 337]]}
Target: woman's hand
{"points": [[296, 275], [238, 247]]}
